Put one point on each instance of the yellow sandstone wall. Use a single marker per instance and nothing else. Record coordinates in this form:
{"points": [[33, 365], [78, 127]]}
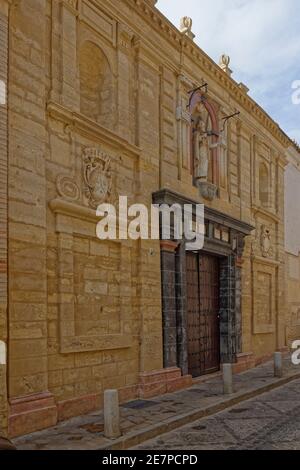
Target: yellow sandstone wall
{"points": [[292, 246], [3, 212], [106, 82]]}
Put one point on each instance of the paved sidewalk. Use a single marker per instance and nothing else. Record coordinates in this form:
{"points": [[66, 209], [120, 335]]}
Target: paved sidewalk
{"points": [[145, 419]]}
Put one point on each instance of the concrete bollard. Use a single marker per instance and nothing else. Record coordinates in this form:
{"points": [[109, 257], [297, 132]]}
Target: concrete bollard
{"points": [[278, 367], [227, 379], [2, 353], [111, 414]]}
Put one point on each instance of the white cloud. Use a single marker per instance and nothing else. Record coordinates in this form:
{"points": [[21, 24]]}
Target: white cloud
{"points": [[262, 38]]}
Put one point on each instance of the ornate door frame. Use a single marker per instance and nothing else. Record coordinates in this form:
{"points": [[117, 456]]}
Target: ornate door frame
{"points": [[174, 288]]}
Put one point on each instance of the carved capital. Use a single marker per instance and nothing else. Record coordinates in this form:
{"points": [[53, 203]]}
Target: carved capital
{"points": [[125, 36]]}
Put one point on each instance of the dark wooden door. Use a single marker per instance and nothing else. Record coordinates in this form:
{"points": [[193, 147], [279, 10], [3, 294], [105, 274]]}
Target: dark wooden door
{"points": [[203, 314]]}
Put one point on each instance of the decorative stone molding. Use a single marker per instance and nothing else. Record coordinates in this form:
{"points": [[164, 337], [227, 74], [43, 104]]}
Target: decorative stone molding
{"points": [[152, 2], [186, 24], [71, 5], [160, 24], [68, 227], [97, 176], [186, 82], [88, 128], [207, 190], [224, 64], [244, 88], [125, 36], [183, 115], [264, 309], [67, 188]]}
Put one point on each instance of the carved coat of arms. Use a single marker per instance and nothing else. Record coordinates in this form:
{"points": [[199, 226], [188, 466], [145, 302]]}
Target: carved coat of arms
{"points": [[97, 176]]}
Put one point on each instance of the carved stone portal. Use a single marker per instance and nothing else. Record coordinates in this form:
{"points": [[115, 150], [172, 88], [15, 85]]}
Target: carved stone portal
{"points": [[97, 176]]}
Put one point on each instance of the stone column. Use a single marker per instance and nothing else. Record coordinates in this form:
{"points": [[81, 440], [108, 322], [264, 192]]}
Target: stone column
{"points": [[238, 307], [168, 279], [31, 405], [228, 309], [126, 79], [4, 11], [281, 256], [181, 317]]}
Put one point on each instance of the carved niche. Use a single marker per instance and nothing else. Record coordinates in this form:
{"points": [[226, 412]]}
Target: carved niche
{"points": [[202, 152], [97, 176]]}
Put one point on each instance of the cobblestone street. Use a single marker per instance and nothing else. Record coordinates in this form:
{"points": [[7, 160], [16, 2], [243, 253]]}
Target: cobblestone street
{"points": [[269, 422], [144, 419]]}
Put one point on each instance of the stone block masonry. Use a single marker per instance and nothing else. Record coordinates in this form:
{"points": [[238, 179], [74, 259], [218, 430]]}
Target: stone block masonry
{"points": [[3, 208], [87, 315]]}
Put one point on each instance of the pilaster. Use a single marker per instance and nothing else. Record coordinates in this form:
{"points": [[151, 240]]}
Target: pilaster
{"points": [[4, 13]]}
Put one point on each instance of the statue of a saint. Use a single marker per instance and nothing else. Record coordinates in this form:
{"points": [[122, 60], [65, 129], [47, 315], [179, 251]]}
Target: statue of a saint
{"points": [[201, 147]]}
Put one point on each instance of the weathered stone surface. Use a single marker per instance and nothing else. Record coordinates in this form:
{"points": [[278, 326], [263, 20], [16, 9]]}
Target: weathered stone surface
{"points": [[88, 314]]}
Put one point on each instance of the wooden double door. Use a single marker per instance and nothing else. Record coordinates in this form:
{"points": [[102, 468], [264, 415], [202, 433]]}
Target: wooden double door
{"points": [[203, 303]]}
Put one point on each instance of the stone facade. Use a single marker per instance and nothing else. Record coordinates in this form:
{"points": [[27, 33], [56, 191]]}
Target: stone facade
{"points": [[100, 106], [3, 211], [292, 245]]}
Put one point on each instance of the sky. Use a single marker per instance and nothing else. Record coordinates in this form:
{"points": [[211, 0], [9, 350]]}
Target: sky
{"points": [[262, 38]]}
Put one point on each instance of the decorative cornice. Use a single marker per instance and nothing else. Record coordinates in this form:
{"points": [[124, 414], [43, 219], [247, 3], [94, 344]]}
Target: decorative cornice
{"points": [[69, 209], [265, 213], [166, 196], [87, 127], [171, 33], [265, 261]]}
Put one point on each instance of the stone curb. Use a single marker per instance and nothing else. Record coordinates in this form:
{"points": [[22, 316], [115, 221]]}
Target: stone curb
{"points": [[132, 440]]}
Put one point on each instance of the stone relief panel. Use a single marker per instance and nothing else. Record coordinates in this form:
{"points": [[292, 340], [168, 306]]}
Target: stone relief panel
{"points": [[67, 188], [293, 329], [264, 298], [96, 183], [263, 244], [96, 176], [97, 289]]}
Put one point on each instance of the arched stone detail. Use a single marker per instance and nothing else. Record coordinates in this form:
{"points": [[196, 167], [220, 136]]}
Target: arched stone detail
{"points": [[96, 84], [264, 179]]}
